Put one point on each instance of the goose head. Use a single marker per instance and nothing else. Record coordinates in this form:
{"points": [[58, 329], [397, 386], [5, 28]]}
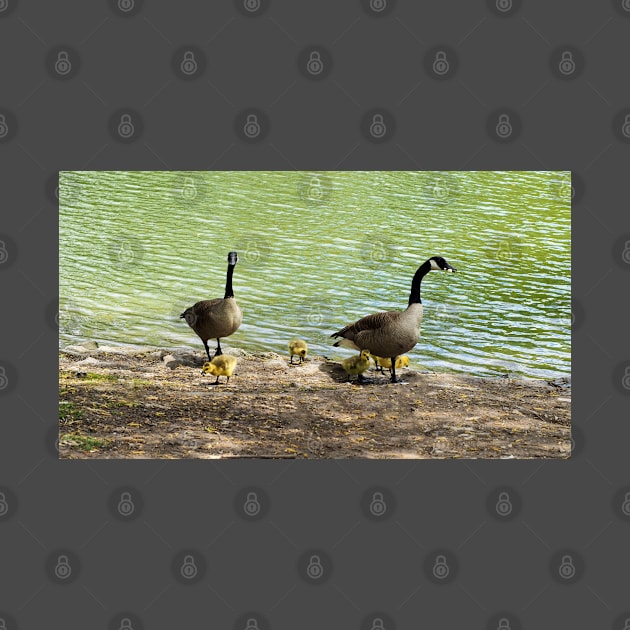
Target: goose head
{"points": [[232, 259], [439, 264]]}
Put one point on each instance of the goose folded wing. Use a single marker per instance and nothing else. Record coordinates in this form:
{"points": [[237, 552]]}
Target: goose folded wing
{"points": [[369, 322]]}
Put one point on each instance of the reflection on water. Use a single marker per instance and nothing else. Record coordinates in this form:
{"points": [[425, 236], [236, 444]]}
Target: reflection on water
{"points": [[318, 250]]}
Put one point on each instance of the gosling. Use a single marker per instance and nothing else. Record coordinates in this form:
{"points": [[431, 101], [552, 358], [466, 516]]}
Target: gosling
{"points": [[357, 365], [386, 362], [299, 347], [223, 365]]}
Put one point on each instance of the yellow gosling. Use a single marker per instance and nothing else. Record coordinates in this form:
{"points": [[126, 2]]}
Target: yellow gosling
{"points": [[357, 365], [299, 347], [223, 365], [382, 362]]}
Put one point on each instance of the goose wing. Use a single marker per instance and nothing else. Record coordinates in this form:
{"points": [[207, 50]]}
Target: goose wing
{"points": [[200, 307], [376, 321]]}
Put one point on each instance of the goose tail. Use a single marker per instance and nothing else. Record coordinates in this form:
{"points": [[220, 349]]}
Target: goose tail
{"points": [[346, 343]]}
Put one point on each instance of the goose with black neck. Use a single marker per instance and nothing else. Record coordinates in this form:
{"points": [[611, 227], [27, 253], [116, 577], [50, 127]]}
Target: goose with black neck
{"points": [[392, 333], [221, 317]]}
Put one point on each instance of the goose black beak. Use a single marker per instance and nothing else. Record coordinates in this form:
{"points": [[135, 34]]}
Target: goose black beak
{"points": [[450, 268]]}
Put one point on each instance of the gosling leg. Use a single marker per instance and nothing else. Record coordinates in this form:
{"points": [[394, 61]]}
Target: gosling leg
{"points": [[291, 361]]}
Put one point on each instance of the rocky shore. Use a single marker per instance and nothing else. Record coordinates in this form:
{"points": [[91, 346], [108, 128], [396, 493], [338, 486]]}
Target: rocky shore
{"points": [[128, 402]]}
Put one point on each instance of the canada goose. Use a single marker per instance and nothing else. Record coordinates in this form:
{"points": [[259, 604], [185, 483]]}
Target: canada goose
{"points": [[357, 364], [299, 347], [213, 319], [392, 333], [222, 365], [381, 363]]}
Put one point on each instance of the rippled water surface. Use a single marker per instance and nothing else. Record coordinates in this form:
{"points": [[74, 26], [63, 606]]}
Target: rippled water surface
{"points": [[317, 251]]}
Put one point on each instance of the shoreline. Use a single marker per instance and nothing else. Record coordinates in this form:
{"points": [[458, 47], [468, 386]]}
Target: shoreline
{"points": [[124, 401]]}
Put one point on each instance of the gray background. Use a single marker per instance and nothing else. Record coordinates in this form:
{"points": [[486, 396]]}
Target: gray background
{"points": [[125, 59]]}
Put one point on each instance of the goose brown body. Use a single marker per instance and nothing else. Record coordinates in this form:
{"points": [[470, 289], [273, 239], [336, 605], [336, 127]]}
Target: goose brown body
{"points": [[221, 317], [392, 333]]}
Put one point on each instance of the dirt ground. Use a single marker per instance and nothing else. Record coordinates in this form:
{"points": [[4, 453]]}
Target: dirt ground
{"points": [[124, 403]]}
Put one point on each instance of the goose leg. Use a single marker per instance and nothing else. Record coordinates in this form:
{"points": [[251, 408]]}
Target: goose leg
{"points": [[205, 343], [393, 371], [219, 351]]}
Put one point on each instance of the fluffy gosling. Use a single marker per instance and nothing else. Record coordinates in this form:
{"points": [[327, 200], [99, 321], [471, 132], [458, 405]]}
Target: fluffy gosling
{"points": [[383, 362], [299, 347], [357, 365], [223, 365]]}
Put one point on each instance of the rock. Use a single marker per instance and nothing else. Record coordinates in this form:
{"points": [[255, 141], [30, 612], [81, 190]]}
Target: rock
{"points": [[89, 361], [80, 348]]}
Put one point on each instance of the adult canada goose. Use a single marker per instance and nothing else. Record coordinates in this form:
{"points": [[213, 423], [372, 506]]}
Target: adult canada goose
{"points": [[213, 319], [222, 365], [392, 333], [299, 347], [357, 365]]}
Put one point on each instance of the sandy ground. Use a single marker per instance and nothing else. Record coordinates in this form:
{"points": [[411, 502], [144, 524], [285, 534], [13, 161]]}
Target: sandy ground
{"points": [[125, 403]]}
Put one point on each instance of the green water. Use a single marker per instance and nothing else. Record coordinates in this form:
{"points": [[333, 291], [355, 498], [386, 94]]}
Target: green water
{"points": [[319, 250]]}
